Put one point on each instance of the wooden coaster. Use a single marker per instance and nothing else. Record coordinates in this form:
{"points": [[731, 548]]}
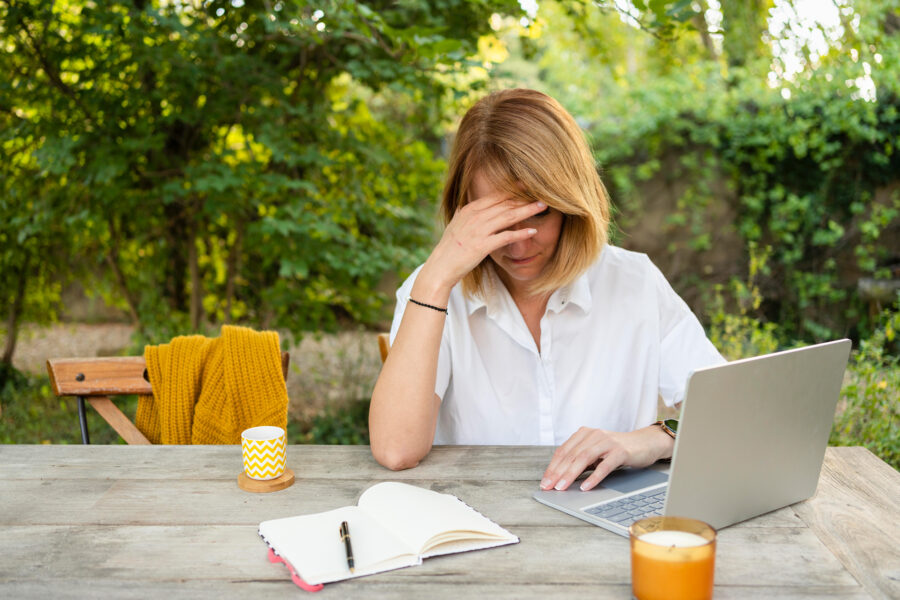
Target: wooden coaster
{"points": [[285, 480]]}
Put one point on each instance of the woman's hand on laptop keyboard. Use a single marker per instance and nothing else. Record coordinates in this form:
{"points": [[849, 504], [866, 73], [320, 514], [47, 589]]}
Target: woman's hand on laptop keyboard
{"points": [[604, 451]]}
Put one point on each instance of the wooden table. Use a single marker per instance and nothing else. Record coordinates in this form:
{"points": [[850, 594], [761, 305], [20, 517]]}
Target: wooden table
{"points": [[170, 522]]}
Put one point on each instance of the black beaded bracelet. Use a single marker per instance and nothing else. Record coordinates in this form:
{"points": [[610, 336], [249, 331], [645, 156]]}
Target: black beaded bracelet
{"points": [[437, 308]]}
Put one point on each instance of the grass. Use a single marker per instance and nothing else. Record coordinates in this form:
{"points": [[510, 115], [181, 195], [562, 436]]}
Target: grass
{"points": [[31, 414], [869, 409]]}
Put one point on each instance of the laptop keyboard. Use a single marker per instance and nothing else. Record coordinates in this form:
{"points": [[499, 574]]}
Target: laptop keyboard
{"points": [[627, 510]]}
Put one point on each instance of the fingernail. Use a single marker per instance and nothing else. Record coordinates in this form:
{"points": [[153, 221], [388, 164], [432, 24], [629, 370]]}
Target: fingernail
{"points": [[541, 205], [545, 483], [532, 231], [560, 485], [583, 486]]}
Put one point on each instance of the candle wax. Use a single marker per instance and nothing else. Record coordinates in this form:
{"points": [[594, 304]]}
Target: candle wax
{"points": [[679, 539]]}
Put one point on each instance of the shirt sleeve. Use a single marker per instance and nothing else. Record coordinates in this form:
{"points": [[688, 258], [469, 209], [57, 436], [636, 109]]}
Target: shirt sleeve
{"points": [[442, 376], [684, 346]]}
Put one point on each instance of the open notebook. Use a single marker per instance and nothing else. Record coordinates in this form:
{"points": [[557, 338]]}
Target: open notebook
{"points": [[394, 525]]}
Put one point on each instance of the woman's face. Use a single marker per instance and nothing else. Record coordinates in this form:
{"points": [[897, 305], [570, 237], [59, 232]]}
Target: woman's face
{"points": [[522, 262]]}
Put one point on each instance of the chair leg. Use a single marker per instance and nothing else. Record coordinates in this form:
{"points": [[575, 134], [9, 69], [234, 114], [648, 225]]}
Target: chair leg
{"points": [[82, 419]]}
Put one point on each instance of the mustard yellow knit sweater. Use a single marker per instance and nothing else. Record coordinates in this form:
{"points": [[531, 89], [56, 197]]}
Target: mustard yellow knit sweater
{"points": [[208, 390]]}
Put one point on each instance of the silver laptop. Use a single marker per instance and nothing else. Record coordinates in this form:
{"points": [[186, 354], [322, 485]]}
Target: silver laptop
{"points": [[751, 438]]}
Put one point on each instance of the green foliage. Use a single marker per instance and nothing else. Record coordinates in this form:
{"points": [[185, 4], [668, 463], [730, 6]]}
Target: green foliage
{"points": [[262, 163], [347, 423], [807, 164], [806, 172], [741, 334], [662, 19], [35, 249], [31, 414], [869, 409]]}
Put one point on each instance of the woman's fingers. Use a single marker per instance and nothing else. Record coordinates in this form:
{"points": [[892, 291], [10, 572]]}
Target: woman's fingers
{"points": [[606, 451], [486, 224], [499, 213], [612, 461], [563, 459], [586, 448], [510, 236]]}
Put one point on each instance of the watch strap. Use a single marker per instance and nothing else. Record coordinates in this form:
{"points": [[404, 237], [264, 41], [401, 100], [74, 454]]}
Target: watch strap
{"points": [[670, 426]]}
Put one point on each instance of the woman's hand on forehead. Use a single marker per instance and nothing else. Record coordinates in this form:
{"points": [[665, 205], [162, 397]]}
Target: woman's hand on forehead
{"points": [[477, 229]]}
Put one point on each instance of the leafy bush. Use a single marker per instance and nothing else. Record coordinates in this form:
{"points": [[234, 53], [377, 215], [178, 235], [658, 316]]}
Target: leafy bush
{"points": [[347, 423], [869, 409], [743, 334], [31, 414]]}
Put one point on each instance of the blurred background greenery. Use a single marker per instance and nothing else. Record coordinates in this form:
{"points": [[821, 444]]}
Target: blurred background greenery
{"points": [[182, 164]]}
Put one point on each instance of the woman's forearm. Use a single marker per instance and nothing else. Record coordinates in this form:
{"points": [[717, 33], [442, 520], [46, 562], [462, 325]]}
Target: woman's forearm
{"points": [[404, 408]]}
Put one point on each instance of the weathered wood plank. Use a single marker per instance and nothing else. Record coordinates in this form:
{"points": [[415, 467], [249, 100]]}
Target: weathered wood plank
{"points": [[384, 345], [372, 589], [221, 502], [856, 512], [49, 502], [793, 558], [103, 376], [118, 420], [108, 375], [735, 592], [488, 463]]}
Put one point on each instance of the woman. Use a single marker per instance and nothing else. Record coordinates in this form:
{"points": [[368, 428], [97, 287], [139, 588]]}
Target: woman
{"points": [[524, 326]]}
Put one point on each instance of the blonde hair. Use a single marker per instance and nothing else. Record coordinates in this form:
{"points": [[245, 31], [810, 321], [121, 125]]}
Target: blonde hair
{"points": [[526, 144]]}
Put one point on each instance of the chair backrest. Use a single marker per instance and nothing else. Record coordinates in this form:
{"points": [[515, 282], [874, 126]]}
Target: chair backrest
{"points": [[98, 379], [384, 345]]}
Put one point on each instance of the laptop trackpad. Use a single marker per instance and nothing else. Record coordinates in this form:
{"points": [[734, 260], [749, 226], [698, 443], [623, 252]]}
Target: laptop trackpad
{"points": [[629, 480]]}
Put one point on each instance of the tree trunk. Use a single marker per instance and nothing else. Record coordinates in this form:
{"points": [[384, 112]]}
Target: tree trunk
{"points": [[232, 268], [196, 291], [703, 28], [113, 260], [196, 299], [12, 320], [177, 236], [743, 24]]}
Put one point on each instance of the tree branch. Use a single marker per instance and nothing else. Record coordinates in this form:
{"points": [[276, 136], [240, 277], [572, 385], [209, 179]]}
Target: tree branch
{"points": [[53, 75]]}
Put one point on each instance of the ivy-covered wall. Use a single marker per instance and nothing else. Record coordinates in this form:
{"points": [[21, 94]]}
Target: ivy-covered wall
{"points": [[810, 184]]}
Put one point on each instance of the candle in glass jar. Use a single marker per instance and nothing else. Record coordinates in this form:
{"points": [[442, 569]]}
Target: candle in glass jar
{"points": [[673, 564]]}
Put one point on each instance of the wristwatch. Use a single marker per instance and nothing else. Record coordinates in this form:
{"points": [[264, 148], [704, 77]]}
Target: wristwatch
{"points": [[670, 426]]}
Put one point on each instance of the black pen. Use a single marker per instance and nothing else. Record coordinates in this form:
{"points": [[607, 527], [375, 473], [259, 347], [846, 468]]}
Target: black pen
{"points": [[345, 536]]}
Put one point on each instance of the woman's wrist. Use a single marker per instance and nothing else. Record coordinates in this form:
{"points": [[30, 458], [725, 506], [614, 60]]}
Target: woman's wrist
{"points": [[663, 442], [431, 288]]}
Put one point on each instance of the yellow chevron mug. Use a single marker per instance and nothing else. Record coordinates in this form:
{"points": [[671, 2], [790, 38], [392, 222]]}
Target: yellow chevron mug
{"points": [[262, 449]]}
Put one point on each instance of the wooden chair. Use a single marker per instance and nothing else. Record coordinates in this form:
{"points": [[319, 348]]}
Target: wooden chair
{"points": [[384, 345], [98, 380]]}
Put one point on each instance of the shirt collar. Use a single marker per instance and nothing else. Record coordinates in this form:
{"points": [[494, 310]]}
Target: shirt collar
{"points": [[489, 289], [578, 293]]}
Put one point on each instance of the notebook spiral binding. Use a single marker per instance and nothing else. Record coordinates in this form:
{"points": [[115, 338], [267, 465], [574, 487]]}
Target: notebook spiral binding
{"points": [[294, 576]]}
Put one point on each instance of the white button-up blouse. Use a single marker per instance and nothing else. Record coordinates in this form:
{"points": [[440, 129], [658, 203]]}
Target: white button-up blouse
{"points": [[611, 342]]}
